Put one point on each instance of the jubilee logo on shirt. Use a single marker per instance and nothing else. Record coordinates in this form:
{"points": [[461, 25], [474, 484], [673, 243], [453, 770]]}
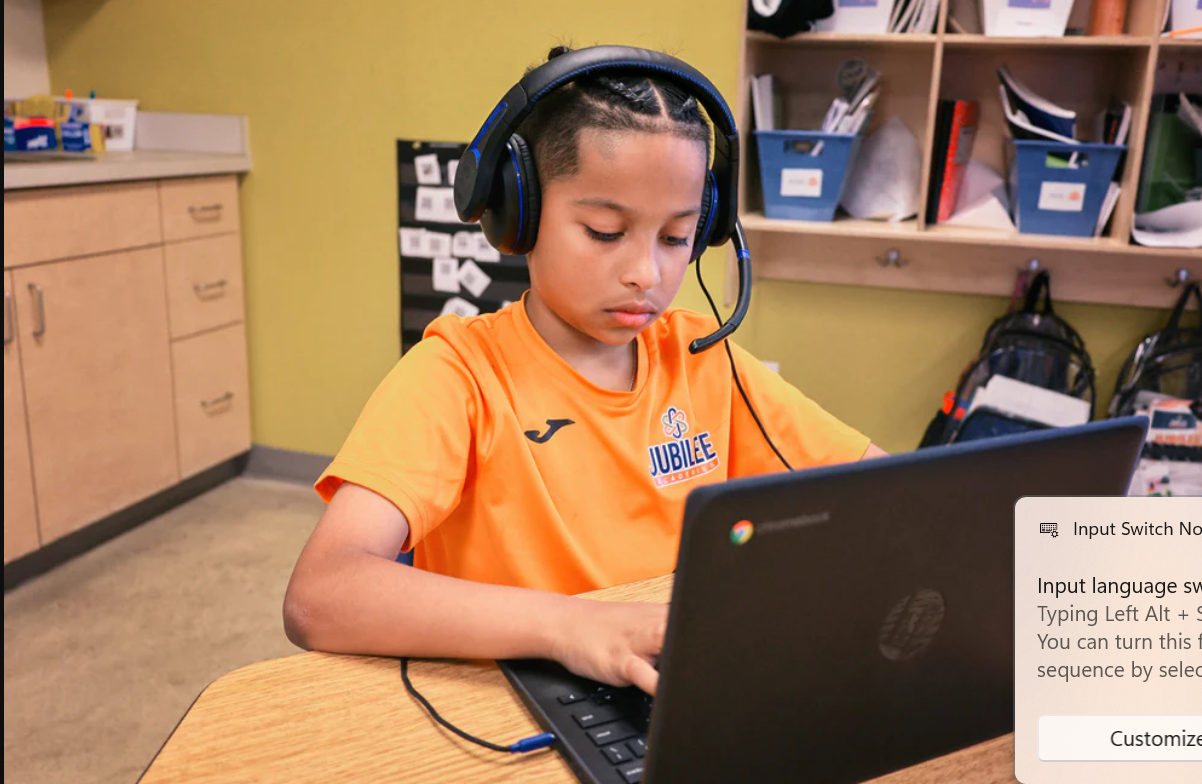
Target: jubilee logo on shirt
{"points": [[683, 457]]}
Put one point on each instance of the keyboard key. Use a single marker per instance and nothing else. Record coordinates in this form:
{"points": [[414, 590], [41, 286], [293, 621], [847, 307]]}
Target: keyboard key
{"points": [[612, 733], [616, 754], [633, 773], [638, 747], [571, 697], [592, 717], [603, 697]]}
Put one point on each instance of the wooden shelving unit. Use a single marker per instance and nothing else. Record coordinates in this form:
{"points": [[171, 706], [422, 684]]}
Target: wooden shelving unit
{"points": [[1079, 72]]}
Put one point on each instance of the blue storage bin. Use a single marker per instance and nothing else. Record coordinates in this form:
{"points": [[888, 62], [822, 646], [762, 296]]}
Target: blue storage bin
{"points": [[1058, 200], [799, 185]]}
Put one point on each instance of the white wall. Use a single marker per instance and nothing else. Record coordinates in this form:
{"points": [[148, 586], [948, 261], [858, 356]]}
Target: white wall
{"points": [[25, 69]]}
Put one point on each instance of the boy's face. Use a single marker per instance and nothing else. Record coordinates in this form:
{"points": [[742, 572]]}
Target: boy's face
{"points": [[614, 240]]}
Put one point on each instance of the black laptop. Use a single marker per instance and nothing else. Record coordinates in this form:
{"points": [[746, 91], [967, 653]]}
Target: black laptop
{"points": [[835, 624]]}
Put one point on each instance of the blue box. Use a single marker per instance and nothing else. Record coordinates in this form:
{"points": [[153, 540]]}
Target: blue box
{"points": [[1055, 194], [803, 172]]}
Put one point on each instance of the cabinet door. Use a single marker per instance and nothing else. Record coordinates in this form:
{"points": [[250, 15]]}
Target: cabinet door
{"points": [[94, 345], [20, 513]]}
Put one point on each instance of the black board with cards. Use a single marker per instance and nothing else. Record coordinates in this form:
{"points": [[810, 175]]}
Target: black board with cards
{"points": [[446, 266]]}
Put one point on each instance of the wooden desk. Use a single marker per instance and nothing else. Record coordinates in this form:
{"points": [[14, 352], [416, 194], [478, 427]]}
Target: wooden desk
{"points": [[327, 718]]}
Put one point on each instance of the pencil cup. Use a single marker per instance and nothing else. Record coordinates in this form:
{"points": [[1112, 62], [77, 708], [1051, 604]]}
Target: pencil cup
{"points": [[803, 172]]}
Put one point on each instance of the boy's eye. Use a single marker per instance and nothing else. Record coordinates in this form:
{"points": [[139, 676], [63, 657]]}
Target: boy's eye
{"points": [[677, 242], [601, 236]]}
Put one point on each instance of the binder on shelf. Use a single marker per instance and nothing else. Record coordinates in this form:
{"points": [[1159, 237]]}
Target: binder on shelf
{"points": [[955, 130]]}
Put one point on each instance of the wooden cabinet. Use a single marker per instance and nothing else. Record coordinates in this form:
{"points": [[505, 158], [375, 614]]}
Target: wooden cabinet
{"points": [[20, 513], [97, 369], [125, 366], [199, 207], [210, 397], [60, 223], [204, 284]]}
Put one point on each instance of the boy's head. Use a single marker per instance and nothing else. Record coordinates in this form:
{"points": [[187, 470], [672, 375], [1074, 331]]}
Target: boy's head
{"points": [[621, 162]]}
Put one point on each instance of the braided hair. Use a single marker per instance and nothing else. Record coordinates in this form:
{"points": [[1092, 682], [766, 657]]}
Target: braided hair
{"points": [[612, 102]]}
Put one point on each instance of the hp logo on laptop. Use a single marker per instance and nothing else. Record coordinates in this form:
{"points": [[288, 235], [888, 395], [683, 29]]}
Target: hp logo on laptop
{"points": [[911, 626]]}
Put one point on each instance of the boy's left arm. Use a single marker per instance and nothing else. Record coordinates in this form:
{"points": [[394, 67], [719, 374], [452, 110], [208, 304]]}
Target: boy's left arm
{"points": [[803, 431]]}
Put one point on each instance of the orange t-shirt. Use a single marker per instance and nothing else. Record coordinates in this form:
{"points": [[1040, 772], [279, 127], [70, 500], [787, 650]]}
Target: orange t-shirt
{"points": [[514, 469]]}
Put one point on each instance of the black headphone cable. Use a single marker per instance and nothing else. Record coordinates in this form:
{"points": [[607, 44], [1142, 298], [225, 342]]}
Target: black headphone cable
{"points": [[533, 743], [738, 382]]}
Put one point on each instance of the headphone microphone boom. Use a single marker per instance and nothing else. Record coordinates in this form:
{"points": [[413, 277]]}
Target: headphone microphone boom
{"points": [[496, 183]]}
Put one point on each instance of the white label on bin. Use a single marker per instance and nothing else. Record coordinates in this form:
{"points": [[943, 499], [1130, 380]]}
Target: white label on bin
{"points": [[801, 182], [1062, 196]]}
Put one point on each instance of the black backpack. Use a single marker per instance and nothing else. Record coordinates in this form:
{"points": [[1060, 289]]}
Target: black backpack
{"points": [[1168, 362], [1033, 345]]}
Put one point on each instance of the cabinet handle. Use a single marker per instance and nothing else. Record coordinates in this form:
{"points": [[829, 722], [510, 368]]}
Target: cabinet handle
{"points": [[10, 329], [206, 212], [37, 292], [217, 286], [207, 404]]}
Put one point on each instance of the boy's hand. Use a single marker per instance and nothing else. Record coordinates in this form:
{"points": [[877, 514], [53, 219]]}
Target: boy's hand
{"points": [[612, 642]]}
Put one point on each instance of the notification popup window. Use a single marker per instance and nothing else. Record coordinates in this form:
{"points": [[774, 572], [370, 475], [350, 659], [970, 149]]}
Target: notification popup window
{"points": [[1108, 640]]}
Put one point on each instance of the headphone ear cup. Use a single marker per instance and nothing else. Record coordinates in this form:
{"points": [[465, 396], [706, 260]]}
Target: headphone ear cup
{"points": [[705, 222], [510, 221]]}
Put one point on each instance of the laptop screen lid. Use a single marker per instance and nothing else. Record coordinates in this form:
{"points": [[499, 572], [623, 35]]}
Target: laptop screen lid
{"points": [[840, 623]]}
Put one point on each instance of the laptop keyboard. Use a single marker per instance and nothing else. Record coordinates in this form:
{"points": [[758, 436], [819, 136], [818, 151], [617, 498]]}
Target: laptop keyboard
{"points": [[616, 721]]}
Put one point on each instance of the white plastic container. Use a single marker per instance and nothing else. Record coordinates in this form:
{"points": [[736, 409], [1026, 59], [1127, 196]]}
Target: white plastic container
{"points": [[119, 119], [857, 16], [1026, 18], [1186, 15]]}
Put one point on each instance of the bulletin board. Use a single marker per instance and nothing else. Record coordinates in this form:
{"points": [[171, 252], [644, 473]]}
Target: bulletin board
{"points": [[446, 266]]}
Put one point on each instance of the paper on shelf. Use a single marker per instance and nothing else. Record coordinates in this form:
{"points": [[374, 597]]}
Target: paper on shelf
{"points": [[1176, 226], [983, 202], [886, 175], [1112, 197]]}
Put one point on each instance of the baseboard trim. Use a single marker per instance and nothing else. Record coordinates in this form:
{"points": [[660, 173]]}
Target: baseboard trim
{"points": [[269, 462], [79, 542]]}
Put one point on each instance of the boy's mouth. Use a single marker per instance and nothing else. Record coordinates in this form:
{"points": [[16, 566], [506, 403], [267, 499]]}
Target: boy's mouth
{"points": [[632, 314]]}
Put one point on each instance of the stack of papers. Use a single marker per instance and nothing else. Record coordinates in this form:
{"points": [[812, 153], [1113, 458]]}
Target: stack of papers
{"points": [[914, 16], [1178, 226], [1018, 398]]}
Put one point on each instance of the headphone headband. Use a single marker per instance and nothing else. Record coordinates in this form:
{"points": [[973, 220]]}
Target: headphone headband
{"points": [[477, 168]]}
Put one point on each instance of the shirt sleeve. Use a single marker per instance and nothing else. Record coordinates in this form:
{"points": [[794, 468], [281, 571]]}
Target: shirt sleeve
{"points": [[806, 434], [413, 441]]}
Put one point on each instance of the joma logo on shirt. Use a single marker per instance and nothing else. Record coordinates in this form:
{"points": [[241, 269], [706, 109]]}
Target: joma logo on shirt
{"points": [[681, 458]]}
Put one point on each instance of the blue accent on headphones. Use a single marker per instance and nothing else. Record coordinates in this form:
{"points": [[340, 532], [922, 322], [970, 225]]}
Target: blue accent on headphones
{"points": [[474, 146], [517, 172]]}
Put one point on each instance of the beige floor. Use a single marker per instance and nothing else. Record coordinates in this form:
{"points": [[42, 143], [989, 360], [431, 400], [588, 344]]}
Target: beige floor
{"points": [[103, 655]]}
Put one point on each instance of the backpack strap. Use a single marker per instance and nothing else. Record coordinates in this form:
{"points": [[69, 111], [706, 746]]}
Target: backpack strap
{"points": [[1194, 289], [1041, 284]]}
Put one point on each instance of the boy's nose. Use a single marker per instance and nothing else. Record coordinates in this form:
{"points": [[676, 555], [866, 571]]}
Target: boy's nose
{"points": [[642, 271]]}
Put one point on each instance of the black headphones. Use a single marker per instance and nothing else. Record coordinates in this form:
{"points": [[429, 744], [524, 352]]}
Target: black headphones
{"points": [[497, 183]]}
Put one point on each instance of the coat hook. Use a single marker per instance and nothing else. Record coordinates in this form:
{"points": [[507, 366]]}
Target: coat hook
{"points": [[1033, 266], [1180, 278], [892, 258]]}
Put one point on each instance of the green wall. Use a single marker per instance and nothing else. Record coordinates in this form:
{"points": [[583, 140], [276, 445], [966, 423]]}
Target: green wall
{"points": [[329, 87]]}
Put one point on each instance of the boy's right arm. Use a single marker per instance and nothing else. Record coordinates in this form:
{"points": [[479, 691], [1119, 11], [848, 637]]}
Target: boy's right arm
{"points": [[348, 595]]}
